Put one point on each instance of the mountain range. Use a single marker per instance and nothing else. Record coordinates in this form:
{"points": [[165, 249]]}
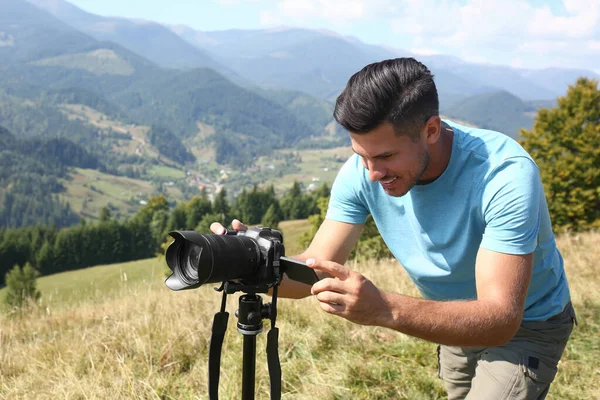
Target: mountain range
{"points": [[127, 91]]}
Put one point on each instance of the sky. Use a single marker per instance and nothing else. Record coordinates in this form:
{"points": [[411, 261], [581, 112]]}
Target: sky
{"points": [[518, 33]]}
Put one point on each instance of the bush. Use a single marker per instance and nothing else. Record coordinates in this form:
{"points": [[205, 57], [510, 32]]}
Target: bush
{"points": [[21, 286]]}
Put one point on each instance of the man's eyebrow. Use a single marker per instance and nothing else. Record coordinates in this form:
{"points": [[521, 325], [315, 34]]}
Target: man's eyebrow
{"points": [[382, 155]]}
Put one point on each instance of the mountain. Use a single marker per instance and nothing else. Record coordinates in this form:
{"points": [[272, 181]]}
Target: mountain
{"points": [[29, 34], [319, 62], [556, 80], [150, 40], [315, 63], [246, 124], [123, 85], [41, 50], [501, 111]]}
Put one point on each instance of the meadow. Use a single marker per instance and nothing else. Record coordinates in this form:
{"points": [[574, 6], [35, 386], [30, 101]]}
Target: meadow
{"points": [[117, 332]]}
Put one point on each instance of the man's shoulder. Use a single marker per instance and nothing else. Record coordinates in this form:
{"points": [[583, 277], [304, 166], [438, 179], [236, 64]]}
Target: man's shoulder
{"points": [[493, 147]]}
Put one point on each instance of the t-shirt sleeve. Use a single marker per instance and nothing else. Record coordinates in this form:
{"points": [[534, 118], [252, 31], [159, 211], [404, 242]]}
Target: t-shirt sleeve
{"points": [[511, 207], [345, 204]]}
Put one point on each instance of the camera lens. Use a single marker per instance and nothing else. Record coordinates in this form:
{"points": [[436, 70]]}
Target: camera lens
{"points": [[189, 261], [196, 259]]}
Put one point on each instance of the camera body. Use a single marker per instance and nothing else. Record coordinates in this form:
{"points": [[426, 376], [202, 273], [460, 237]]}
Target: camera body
{"points": [[270, 244]]}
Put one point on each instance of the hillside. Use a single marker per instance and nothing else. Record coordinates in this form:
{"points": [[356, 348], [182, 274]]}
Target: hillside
{"points": [[31, 172], [246, 124], [501, 111], [117, 332], [150, 40]]}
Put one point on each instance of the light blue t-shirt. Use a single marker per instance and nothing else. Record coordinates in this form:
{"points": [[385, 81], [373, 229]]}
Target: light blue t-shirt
{"points": [[489, 196]]}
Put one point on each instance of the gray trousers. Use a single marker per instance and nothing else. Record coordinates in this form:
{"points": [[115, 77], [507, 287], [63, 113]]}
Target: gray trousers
{"points": [[521, 369]]}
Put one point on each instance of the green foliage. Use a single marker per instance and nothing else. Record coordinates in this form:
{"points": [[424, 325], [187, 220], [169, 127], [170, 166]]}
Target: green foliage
{"points": [[21, 286], [250, 207], [221, 206], [30, 173], [154, 204], [272, 217], [565, 144], [104, 214], [370, 245], [295, 205], [315, 221], [178, 219], [196, 209], [170, 145]]}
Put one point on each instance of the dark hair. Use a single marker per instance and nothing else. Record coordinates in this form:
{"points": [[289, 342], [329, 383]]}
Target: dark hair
{"points": [[399, 91]]}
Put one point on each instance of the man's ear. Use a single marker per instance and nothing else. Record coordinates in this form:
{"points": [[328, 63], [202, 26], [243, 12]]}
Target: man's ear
{"points": [[432, 129]]}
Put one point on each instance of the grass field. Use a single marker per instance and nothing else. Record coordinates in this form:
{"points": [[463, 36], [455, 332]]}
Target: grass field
{"points": [[90, 190], [117, 332]]}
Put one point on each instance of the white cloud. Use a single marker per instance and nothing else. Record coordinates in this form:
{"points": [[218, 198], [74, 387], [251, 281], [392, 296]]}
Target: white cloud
{"points": [[334, 11], [511, 29]]}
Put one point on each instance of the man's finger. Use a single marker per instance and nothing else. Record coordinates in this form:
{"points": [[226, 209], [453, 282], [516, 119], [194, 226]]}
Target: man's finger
{"points": [[238, 226], [217, 228], [335, 309], [328, 285], [330, 297], [332, 268]]}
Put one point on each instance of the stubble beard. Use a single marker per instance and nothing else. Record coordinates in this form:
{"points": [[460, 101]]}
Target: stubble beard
{"points": [[414, 179]]}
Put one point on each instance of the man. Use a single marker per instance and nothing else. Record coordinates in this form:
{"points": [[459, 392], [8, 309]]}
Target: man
{"points": [[463, 211]]}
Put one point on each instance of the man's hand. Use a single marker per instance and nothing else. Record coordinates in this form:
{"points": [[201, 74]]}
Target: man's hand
{"points": [[219, 229], [349, 294]]}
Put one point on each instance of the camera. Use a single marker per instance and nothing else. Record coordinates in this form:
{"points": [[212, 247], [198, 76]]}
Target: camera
{"points": [[254, 259]]}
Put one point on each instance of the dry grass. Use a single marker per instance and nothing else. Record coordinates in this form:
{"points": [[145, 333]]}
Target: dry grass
{"points": [[144, 342]]}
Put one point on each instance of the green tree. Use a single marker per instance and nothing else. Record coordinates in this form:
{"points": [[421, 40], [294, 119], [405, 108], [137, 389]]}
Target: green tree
{"points": [[221, 207], [295, 204], [197, 208], [154, 204], [565, 144], [272, 217], [104, 214], [159, 225], [178, 218], [21, 285]]}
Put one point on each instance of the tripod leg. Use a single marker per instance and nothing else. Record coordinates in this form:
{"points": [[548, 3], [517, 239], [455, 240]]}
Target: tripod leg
{"points": [[249, 366]]}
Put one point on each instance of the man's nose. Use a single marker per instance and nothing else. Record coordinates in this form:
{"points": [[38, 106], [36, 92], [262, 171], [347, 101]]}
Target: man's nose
{"points": [[376, 172]]}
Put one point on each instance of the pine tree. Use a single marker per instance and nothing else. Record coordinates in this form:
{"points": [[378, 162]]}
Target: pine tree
{"points": [[21, 286], [272, 217], [565, 144], [221, 207], [104, 214]]}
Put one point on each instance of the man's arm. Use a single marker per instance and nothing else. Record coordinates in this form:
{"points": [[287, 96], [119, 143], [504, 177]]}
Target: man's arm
{"points": [[490, 320]]}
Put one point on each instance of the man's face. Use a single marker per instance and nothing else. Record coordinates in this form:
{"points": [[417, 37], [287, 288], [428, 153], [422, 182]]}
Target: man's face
{"points": [[397, 162]]}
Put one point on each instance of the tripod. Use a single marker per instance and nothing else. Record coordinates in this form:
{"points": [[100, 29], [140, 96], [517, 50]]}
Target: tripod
{"points": [[250, 314]]}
